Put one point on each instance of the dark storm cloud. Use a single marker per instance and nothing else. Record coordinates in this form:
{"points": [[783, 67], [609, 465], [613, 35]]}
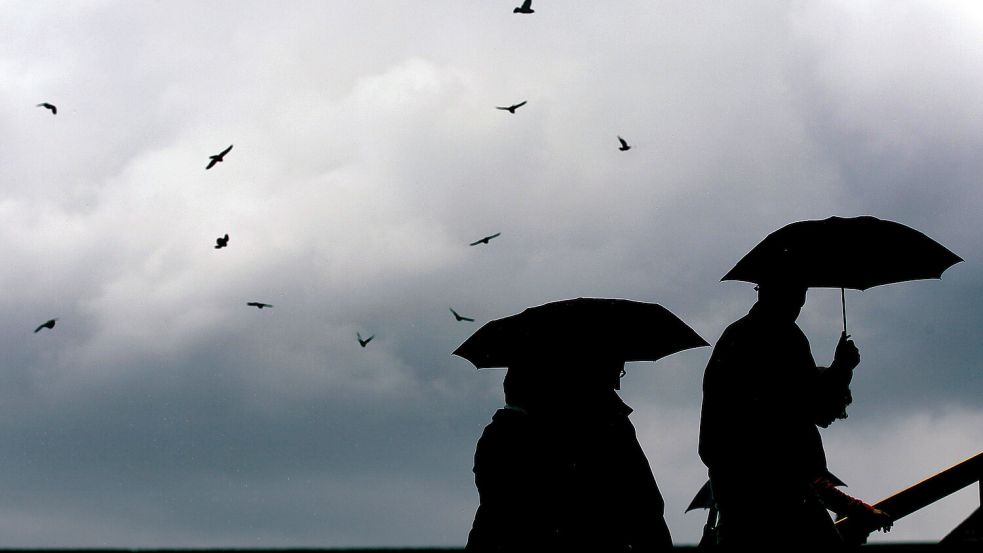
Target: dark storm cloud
{"points": [[162, 411]]}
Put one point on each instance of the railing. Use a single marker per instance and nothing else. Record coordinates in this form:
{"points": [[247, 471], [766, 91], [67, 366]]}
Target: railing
{"points": [[920, 495]]}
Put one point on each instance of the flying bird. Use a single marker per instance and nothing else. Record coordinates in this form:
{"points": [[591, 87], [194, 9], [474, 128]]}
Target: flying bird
{"points": [[624, 144], [50, 324], [526, 7], [485, 240], [257, 304], [218, 157], [221, 242], [513, 107], [364, 342], [460, 317], [46, 105]]}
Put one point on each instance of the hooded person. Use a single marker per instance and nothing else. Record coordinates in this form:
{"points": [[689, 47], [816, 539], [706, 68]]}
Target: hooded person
{"points": [[560, 468]]}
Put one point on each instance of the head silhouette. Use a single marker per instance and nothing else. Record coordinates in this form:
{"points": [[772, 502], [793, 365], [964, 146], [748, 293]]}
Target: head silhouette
{"points": [[782, 299], [561, 383]]}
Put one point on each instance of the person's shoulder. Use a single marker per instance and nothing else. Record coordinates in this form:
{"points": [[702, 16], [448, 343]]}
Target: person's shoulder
{"points": [[738, 331]]}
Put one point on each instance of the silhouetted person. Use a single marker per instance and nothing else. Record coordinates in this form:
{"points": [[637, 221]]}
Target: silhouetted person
{"points": [[513, 107], [763, 396], [218, 158], [46, 105], [560, 468]]}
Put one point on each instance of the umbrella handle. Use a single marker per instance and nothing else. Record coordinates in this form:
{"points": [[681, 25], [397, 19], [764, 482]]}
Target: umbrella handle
{"points": [[843, 303]]}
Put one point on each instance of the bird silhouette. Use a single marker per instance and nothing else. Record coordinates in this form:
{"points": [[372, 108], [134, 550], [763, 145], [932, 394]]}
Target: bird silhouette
{"points": [[364, 342], [46, 105], [221, 242], [526, 7], [513, 107], [485, 240], [460, 317], [624, 144], [50, 324], [258, 304], [218, 157]]}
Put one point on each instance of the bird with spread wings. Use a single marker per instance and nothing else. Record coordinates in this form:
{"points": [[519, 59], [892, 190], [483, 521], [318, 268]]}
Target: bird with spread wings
{"points": [[218, 158]]}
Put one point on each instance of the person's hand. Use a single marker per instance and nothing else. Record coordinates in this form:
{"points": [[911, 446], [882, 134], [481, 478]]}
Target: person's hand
{"points": [[882, 520], [847, 356], [872, 518]]}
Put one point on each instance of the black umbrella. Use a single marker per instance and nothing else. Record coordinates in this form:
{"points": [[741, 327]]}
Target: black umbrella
{"points": [[583, 327], [857, 253]]}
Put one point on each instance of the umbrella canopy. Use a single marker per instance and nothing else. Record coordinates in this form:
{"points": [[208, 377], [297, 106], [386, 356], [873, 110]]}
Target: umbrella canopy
{"points": [[577, 328], [857, 253]]}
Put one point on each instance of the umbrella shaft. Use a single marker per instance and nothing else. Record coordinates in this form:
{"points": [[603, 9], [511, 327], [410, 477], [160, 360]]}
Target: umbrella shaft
{"points": [[843, 303]]}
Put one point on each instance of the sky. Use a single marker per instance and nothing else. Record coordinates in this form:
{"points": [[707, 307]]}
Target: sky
{"points": [[161, 411]]}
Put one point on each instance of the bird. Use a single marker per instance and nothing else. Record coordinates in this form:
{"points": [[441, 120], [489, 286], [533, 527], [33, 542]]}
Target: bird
{"points": [[460, 317], [218, 157], [221, 242], [46, 105], [49, 324], [513, 107], [258, 304], [526, 7], [624, 145], [364, 342], [485, 240]]}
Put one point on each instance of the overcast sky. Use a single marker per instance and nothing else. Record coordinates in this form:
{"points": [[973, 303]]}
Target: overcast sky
{"points": [[161, 411]]}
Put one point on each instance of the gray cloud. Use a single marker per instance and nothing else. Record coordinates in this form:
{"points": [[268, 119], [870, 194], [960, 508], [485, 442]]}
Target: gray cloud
{"points": [[161, 411]]}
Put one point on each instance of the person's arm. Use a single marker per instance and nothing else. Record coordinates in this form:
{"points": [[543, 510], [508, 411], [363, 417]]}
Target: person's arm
{"points": [[831, 389], [846, 505]]}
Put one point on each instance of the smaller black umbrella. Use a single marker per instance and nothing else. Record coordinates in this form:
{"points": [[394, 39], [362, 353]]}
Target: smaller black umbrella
{"points": [[582, 327], [838, 252]]}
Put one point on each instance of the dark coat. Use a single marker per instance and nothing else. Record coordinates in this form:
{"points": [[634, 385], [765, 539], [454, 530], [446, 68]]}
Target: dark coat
{"points": [[758, 435], [565, 484]]}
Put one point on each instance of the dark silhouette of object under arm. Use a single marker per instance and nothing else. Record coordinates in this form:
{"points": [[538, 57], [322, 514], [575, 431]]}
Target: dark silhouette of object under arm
{"points": [[218, 158], [513, 107]]}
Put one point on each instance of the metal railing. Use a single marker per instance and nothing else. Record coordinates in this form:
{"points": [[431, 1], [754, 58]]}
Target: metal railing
{"points": [[920, 495]]}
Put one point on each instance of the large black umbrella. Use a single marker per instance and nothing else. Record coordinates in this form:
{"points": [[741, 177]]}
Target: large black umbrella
{"points": [[582, 327], [856, 252]]}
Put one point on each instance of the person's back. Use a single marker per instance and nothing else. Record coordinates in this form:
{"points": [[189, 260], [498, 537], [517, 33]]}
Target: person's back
{"points": [[563, 471], [756, 431], [757, 435]]}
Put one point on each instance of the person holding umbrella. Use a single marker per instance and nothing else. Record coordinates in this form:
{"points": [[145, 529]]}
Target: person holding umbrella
{"points": [[763, 395], [560, 468]]}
